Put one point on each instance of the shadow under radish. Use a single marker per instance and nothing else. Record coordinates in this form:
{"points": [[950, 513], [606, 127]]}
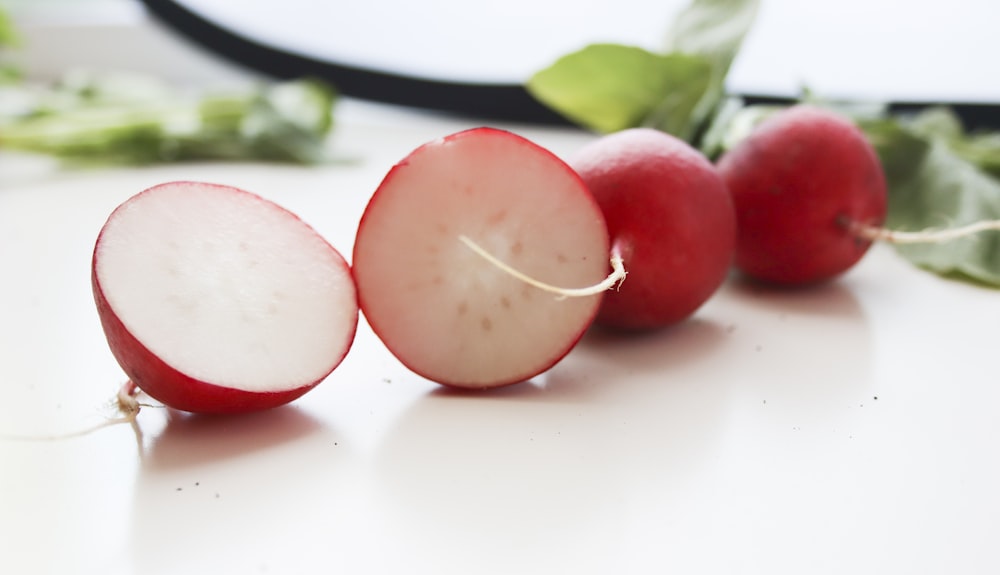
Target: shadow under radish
{"points": [[832, 299], [498, 474], [625, 414], [234, 493], [189, 440], [522, 463], [610, 357]]}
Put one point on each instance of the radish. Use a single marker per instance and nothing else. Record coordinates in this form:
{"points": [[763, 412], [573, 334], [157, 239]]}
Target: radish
{"points": [[669, 215], [458, 249], [803, 183], [215, 300]]}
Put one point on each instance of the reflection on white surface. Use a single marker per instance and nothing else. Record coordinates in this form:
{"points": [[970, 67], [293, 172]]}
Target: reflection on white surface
{"points": [[886, 49], [209, 486], [748, 440]]}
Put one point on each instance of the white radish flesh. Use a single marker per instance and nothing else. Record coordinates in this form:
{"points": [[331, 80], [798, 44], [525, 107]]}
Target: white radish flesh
{"points": [[440, 307], [217, 300]]}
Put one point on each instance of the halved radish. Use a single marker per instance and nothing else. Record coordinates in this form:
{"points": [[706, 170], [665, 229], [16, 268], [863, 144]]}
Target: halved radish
{"points": [[444, 310], [216, 300]]}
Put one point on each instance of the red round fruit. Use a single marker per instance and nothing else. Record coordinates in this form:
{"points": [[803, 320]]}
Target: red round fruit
{"points": [[671, 218], [797, 182], [443, 310], [215, 300]]}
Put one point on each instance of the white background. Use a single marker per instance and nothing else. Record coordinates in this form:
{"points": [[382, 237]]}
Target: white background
{"points": [[873, 49], [850, 428]]}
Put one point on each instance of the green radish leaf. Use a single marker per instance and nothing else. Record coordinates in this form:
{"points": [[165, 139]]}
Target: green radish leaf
{"points": [[685, 81], [289, 122], [901, 151], [947, 191], [713, 29], [610, 87], [732, 122], [9, 73], [8, 33], [983, 150], [135, 120], [932, 186]]}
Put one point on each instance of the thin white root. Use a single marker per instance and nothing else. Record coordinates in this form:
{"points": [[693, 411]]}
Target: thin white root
{"points": [[927, 236], [127, 403], [614, 279]]}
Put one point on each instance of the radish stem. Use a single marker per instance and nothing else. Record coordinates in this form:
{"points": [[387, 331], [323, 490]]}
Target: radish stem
{"points": [[927, 236], [614, 279], [127, 402]]}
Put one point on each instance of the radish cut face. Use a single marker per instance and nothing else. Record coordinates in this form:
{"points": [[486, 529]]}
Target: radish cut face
{"points": [[442, 309], [216, 300]]}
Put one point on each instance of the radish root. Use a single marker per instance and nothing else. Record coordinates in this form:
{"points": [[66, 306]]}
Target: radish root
{"points": [[614, 279], [128, 405], [927, 236]]}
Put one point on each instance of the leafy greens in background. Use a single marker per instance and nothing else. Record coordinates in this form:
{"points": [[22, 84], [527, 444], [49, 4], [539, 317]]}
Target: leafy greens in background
{"points": [[939, 174], [8, 39], [714, 30], [8, 36], [122, 118], [137, 120], [609, 87]]}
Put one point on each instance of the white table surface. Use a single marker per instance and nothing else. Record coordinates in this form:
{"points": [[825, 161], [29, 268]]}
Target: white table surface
{"points": [[847, 429]]}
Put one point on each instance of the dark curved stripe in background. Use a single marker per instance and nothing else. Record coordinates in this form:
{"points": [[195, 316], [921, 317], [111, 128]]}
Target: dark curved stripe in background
{"points": [[501, 102], [974, 116], [496, 101]]}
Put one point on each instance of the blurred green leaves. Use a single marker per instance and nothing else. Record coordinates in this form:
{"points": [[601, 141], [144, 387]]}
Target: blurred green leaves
{"points": [[609, 87], [119, 118], [941, 177]]}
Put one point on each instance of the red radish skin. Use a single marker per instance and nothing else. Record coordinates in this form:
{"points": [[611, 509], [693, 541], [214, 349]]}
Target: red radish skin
{"points": [[670, 216], [206, 309], [444, 311], [798, 181], [172, 387]]}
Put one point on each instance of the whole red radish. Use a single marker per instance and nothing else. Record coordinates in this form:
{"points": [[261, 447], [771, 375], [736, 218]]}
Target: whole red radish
{"points": [[669, 215], [215, 300], [442, 309], [799, 181]]}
